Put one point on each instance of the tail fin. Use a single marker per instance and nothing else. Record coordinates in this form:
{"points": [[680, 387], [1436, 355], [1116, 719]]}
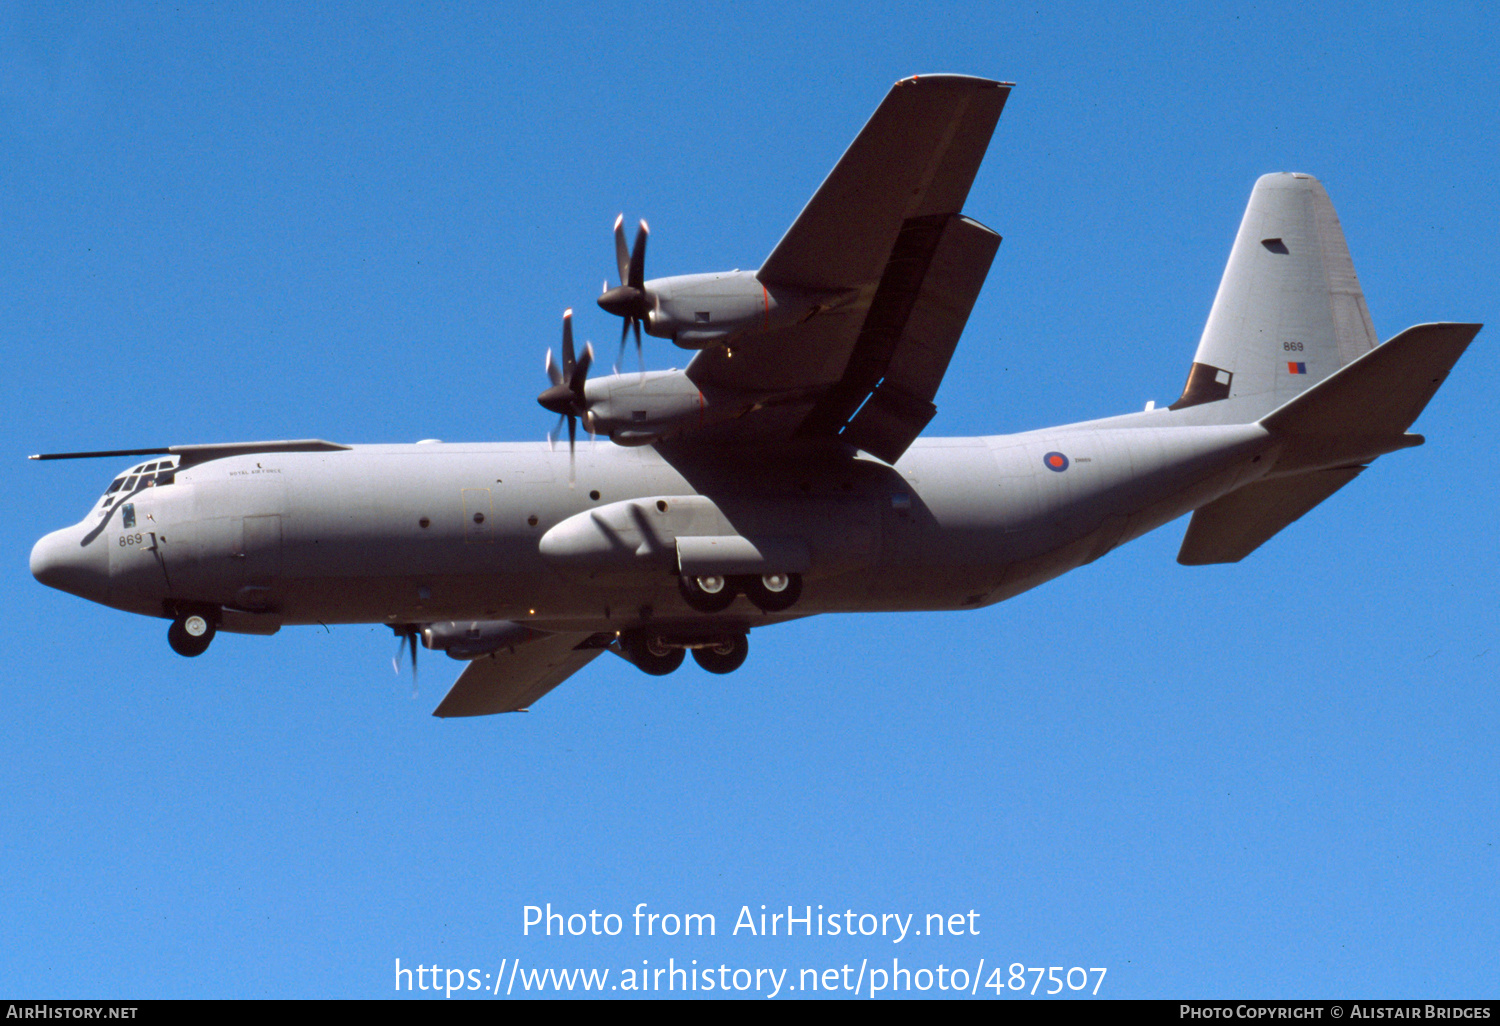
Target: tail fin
{"points": [[1289, 311]]}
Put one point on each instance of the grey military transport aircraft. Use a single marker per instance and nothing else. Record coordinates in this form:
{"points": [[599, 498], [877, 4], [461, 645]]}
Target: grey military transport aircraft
{"points": [[780, 474]]}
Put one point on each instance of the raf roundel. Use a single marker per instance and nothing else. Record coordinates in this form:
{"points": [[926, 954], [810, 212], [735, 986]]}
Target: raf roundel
{"points": [[1055, 461]]}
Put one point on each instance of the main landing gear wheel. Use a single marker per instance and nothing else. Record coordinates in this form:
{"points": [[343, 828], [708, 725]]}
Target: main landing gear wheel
{"points": [[772, 592], [724, 657], [649, 654], [190, 634], [710, 593]]}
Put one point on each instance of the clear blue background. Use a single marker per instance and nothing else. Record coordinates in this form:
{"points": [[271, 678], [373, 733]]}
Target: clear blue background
{"points": [[362, 222]]}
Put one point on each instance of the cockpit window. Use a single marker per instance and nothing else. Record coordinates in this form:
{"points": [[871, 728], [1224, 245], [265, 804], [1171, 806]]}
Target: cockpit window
{"points": [[147, 475]]}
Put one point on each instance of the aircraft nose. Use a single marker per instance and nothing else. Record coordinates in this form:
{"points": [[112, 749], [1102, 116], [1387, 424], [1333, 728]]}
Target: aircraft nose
{"points": [[60, 560]]}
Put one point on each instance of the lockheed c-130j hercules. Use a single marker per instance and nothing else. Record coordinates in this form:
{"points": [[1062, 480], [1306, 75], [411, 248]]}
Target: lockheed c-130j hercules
{"points": [[781, 473]]}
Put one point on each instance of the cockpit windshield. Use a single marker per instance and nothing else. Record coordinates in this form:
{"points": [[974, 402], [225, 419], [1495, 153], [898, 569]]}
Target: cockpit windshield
{"points": [[147, 475]]}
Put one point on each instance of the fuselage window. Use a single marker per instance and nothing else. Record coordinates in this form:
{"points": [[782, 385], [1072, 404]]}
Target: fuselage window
{"points": [[127, 515]]}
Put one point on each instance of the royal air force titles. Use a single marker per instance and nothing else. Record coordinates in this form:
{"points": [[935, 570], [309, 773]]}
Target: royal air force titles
{"points": [[543, 920]]}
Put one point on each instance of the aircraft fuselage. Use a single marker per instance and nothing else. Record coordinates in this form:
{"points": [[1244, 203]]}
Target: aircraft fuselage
{"points": [[407, 534]]}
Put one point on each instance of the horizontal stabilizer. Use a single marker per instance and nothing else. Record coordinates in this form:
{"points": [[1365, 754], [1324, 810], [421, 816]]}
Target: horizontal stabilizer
{"points": [[1383, 391], [512, 678], [1364, 408], [1229, 529]]}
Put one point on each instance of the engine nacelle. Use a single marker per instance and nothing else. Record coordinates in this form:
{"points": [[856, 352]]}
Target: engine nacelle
{"points": [[637, 409], [476, 638], [701, 310]]}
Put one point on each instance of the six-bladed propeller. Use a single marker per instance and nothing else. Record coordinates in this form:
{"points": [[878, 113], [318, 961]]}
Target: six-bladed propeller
{"points": [[406, 634], [565, 398], [630, 299]]}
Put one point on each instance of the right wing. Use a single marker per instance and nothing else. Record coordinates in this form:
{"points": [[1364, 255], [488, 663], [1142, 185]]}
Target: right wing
{"points": [[511, 679]]}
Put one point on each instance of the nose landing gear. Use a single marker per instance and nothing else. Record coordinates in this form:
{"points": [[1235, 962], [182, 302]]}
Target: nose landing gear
{"points": [[191, 633]]}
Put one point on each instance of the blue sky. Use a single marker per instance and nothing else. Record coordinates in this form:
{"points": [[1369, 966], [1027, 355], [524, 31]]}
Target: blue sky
{"points": [[362, 222]]}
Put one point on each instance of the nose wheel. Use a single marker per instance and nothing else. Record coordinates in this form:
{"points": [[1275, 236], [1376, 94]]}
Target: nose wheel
{"points": [[191, 633]]}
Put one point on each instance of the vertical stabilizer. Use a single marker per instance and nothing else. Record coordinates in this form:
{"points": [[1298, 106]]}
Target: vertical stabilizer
{"points": [[1289, 311]]}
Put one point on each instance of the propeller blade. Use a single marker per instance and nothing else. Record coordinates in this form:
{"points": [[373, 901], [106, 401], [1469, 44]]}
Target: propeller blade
{"points": [[624, 337], [406, 636], [622, 255], [567, 345], [581, 372], [552, 371], [638, 256], [572, 431]]}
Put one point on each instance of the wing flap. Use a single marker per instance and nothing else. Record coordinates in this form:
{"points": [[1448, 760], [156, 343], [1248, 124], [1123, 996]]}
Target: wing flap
{"points": [[900, 406], [915, 157], [515, 677]]}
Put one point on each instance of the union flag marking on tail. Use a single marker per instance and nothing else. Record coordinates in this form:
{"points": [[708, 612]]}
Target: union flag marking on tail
{"points": [[1296, 368]]}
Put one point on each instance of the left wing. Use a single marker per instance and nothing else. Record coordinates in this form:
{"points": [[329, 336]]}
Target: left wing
{"points": [[511, 679], [915, 158], [866, 373], [885, 231]]}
